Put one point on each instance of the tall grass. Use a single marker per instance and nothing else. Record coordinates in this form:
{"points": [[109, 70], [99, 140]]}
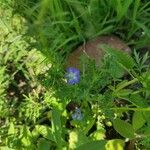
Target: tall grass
{"points": [[59, 26]]}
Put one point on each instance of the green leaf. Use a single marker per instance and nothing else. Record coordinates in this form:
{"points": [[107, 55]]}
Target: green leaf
{"points": [[123, 128], [98, 134], [26, 137], [121, 85], [121, 57], [43, 144], [142, 26], [122, 93], [11, 129], [76, 138], [45, 131], [121, 7], [93, 145], [115, 69], [116, 144], [138, 100], [138, 120], [146, 116], [6, 148], [56, 126], [125, 7]]}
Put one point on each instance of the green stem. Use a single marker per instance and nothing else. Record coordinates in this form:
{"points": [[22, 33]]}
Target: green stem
{"points": [[127, 84], [134, 109]]}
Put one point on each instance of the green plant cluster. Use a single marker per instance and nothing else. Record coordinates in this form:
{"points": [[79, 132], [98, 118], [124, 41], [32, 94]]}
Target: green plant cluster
{"points": [[74, 22], [37, 103]]}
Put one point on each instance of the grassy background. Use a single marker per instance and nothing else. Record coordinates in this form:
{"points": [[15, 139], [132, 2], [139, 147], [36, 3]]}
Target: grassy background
{"points": [[77, 21]]}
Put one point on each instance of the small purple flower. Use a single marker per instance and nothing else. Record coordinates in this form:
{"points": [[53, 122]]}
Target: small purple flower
{"points": [[77, 115], [73, 75]]}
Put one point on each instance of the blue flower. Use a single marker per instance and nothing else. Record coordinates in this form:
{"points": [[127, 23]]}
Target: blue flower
{"points": [[73, 75], [77, 115]]}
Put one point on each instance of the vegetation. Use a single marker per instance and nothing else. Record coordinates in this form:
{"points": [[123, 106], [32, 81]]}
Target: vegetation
{"points": [[44, 106]]}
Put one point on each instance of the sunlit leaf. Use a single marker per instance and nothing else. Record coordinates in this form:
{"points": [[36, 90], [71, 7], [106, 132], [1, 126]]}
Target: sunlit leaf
{"points": [[116, 144], [76, 138], [98, 134], [11, 129], [45, 131]]}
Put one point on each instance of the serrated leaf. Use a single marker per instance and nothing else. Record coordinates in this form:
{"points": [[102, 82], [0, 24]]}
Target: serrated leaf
{"points": [[116, 70], [116, 144], [93, 145], [123, 128], [138, 120], [121, 57]]}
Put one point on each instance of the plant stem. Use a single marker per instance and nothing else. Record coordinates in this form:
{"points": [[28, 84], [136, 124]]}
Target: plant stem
{"points": [[134, 109], [127, 84]]}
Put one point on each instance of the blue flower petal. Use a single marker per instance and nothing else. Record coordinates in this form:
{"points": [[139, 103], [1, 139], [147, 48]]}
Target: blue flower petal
{"points": [[77, 115], [73, 75], [73, 70]]}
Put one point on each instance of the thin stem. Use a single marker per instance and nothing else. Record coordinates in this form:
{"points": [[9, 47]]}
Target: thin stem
{"points": [[127, 84], [134, 109]]}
